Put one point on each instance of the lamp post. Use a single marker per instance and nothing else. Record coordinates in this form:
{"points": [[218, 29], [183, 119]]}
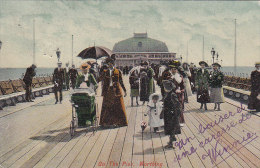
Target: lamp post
{"points": [[213, 54], [58, 54]]}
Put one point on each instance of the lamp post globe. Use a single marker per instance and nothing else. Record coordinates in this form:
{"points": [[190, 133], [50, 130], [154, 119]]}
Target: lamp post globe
{"points": [[58, 54], [213, 53]]}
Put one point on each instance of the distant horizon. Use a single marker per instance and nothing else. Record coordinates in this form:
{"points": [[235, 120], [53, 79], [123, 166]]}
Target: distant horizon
{"points": [[184, 26], [70, 66]]}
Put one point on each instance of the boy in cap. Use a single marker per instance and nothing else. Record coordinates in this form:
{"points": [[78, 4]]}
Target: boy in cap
{"points": [[171, 112]]}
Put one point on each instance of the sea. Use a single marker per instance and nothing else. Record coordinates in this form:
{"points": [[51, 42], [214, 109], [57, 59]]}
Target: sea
{"points": [[16, 73]]}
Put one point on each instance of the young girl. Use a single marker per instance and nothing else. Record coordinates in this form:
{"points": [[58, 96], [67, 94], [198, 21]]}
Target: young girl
{"points": [[154, 110]]}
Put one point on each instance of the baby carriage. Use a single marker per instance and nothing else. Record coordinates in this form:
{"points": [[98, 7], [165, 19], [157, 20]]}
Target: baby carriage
{"points": [[84, 110]]}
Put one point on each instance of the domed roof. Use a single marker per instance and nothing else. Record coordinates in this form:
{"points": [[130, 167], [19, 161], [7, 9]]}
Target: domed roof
{"points": [[140, 43]]}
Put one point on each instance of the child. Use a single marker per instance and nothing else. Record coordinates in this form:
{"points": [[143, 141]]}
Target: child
{"points": [[171, 112], [154, 110]]}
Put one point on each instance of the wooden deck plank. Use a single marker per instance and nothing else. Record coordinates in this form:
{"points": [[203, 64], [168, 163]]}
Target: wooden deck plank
{"points": [[81, 157], [25, 153], [148, 148], [170, 154], [185, 160], [126, 158], [104, 154], [233, 160], [95, 151], [27, 142], [137, 153], [194, 142], [193, 123], [52, 153], [254, 146], [228, 140], [194, 158], [159, 155], [65, 150], [74, 151]]}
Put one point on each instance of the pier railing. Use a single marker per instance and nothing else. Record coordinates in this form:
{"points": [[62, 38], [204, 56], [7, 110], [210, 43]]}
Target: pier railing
{"points": [[237, 87], [13, 91]]}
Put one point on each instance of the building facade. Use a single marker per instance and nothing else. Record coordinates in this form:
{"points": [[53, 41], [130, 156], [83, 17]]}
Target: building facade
{"points": [[140, 48]]}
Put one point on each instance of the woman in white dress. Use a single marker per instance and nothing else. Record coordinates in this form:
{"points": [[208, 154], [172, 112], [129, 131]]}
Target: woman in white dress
{"points": [[186, 81]]}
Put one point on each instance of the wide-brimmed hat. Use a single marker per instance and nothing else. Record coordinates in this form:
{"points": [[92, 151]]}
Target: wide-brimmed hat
{"points": [[185, 63], [110, 60], [203, 62], [257, 63], [174, 64], [216, 64], [168, 84], [144, 63], [85, 66], [59, 63], [34, 66]]}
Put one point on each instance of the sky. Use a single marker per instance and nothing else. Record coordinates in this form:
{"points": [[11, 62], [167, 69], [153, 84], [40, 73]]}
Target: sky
{"points": [[181, 25]]}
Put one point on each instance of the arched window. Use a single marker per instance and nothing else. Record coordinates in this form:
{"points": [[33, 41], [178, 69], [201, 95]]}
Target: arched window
{"points": [[140, 44]]}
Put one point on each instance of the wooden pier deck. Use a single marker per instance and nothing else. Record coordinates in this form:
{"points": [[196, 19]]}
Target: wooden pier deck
{"points": [[227, 138]]}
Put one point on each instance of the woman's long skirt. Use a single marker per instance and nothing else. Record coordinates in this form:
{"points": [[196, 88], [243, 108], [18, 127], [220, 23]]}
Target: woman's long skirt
{"points": [[134, 92], [216, 95], [203, 96], [187, 86], [113, 110]]}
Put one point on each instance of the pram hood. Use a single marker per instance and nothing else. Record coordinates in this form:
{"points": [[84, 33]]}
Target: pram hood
{"points": [[88, 91]]}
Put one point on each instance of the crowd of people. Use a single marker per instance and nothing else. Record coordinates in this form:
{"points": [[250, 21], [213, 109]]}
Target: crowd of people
{"points": [[165, 106]]}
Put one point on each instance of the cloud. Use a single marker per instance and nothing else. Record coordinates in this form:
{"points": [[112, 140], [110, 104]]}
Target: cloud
{"points": [[105, 23]]}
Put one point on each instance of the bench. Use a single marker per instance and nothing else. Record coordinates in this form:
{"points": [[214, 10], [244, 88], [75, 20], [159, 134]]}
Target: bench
{"points": [[9, 96], [13, 91], [236, 93]]}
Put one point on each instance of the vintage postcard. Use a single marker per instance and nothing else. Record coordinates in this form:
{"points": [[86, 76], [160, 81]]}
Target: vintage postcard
{"points": [[156, 83]]}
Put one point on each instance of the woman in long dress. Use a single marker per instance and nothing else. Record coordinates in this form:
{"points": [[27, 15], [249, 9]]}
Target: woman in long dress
{"points": [[113, 111], [178, 81], [202, 85], [144, 89], [216, 89], [187, 87]]}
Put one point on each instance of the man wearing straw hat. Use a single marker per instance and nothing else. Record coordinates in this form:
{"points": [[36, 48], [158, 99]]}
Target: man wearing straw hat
{"points": [[58, 78], [254, 99]]}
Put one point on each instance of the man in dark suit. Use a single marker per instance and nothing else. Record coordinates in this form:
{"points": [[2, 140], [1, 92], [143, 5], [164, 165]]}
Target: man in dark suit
{"points": [[29, 74], [58, 78], [73, 74]]}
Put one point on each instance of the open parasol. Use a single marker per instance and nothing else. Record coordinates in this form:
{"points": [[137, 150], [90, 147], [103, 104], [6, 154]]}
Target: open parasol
{"points": [[95, 52]]}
